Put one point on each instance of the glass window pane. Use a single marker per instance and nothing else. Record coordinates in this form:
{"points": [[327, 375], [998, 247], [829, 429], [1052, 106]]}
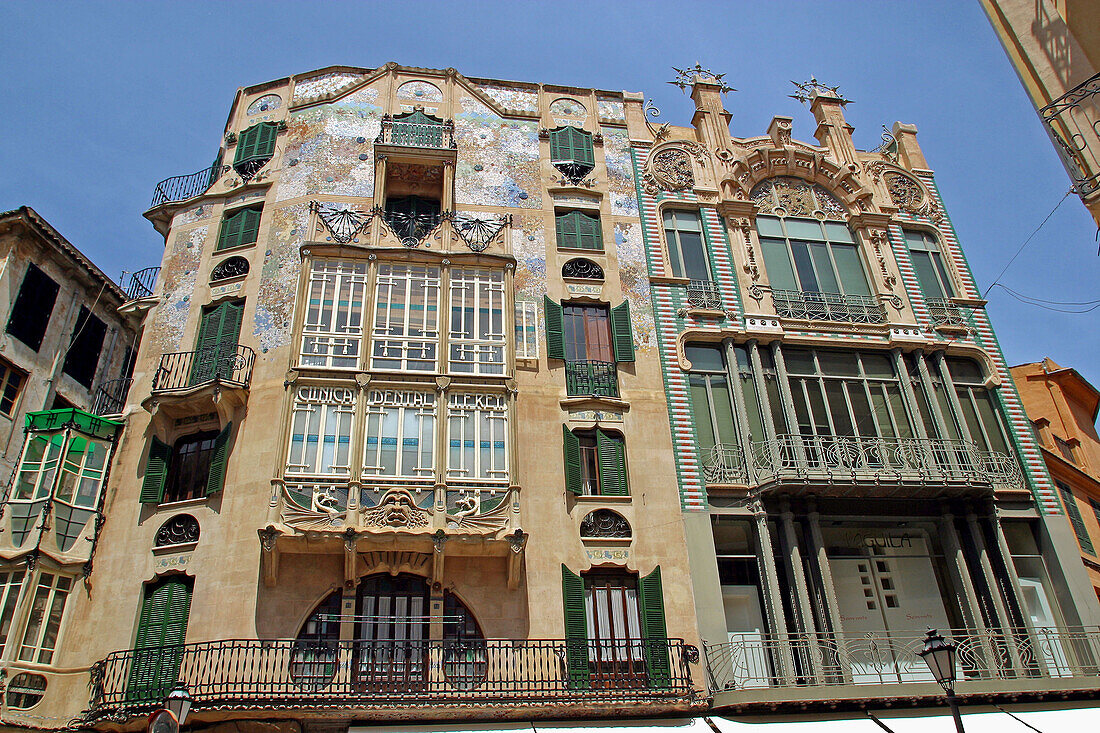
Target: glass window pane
{"points": [[799, 361], [945, 279], [852, 279], [926, 275], [705, 358], [752, 406], [861, 412], [826, 280], [778, 264], [988, 415], [723, 410], [882, 412], [687, 221], [964, 371], [700, 405], [803, 264], [804, 229], [897, 407], [877, 365], [768, 226], [838, 407], [694, 256], [838, 363], [838, 232]]}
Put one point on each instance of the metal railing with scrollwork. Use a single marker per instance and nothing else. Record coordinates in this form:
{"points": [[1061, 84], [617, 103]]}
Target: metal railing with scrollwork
{"points": [[725, 464], [181, 188], [319, 674], [930, 461], [1073, 123], [110, 398], [140, 284], [814, 306], [228, 363], [591, 378], [704, 294], [417, 134], [757, 660], [944, 312]]}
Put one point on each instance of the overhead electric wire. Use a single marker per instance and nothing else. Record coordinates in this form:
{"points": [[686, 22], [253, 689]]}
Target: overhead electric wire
{"points": [[1050, 305], [1021, 249]]}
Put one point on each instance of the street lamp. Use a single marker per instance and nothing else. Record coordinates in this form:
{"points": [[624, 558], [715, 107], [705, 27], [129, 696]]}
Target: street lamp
{"points": [[939, 655], [179, 703]]}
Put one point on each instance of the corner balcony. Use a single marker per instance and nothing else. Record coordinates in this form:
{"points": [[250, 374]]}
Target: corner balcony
{"points": [[182, 188], [186, 382], [945, 313], [110, 398], [809, 305], [757, 668], [591, 379], [452, 678], [864, 466]]}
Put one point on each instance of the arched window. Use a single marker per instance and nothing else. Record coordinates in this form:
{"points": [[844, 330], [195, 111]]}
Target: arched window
{"points": [[391, 643], [178, 530], [604, 523], [582, 269], [807, 246]]}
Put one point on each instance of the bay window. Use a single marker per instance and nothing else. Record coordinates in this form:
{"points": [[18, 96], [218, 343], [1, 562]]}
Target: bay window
{"points": [[477, 437], [476, 337], [320, 438], [400, 437], [406, 318], [44, 623], [333, 329]]}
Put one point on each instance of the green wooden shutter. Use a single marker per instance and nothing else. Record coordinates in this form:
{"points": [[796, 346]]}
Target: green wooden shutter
{"points": [[219, 333], [246, 145], [215, 481], [611, 455], [651, 601], [571, 449], [162, 629], [156, 472], [555, 329], [621, 337], [559, 145], [229, 232], [250, 226], [565, 230], [582, 147], [239, 228], [589, 233], [576, 630], [265, 140], [1075, 518]]}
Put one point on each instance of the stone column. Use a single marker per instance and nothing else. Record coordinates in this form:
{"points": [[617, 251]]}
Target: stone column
{"points": [[804, 611], [777, 624]]}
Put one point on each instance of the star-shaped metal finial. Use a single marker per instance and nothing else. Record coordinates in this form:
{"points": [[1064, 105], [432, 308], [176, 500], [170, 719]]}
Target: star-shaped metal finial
{"points": [[686, 78], [808, 89]]}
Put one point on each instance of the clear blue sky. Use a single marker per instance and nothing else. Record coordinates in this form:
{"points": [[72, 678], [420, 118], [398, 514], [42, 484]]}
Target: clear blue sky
{"points": [[104, 99]]}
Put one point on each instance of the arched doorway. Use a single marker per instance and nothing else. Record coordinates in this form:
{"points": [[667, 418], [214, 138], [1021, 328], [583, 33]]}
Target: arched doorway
{"points": [[393, 647]]}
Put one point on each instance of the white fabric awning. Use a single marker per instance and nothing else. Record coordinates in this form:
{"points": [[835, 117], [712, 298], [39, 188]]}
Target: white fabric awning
{"points": [[1058, 720]]}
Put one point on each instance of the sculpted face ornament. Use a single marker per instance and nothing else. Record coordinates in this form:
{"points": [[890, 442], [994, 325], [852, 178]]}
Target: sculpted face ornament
{"points": [[397, 509]]}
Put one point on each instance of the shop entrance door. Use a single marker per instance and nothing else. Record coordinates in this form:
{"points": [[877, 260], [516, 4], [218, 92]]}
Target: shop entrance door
{"points": [[888, 595]]}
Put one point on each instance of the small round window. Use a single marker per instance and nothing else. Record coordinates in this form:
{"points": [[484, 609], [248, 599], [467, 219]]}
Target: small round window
{"points": [[26, 690]]}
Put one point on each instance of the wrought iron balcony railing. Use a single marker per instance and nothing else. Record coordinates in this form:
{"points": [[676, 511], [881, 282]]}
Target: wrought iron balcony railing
{"points": [[832, 459], [227, 363], [943, 312], [725, 464], [140, 284], [591, 378], [110, 398], [181, 188], [814, 306], [1073, 123], [704, 294], [245, 673], [756, 660], [419, 134]]}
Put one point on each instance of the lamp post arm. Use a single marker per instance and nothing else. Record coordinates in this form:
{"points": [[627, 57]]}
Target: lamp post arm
{"points": [[878, 722]]}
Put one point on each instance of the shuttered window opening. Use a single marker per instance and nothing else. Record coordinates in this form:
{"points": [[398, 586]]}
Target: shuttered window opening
{"points": [[162, 629], [1075, 518], [30, 315], [239, 227], [595, 463], [11, 384], [255, 147], [588, 333], [216, 344], [571, 152], [615, 629], [578, 230], [87, 343], [195, 467]]}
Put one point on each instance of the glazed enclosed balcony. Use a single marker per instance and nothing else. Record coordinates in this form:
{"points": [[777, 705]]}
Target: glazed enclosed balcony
{"points": [[816, 306], [416, 129], [876, 466], [766, 668], [387, 675], [591, 379]]}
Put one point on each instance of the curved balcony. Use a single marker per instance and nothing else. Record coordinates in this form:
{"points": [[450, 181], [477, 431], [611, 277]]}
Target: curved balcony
{"points": [[181, 188], [943, 312], [409, 674], [881, 466], [725, 464], [417, 130], [110, 398], [229, 364], [140, 284], [814, 306]]}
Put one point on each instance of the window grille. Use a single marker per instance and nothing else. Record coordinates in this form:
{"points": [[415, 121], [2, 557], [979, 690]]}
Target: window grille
{"points": [[477, 434], [477, 321], [333, 329], [400, 434], [405, 335], [320, 440], [527, 330]]}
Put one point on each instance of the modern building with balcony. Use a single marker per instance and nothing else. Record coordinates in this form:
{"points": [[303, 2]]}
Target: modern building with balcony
{"points": [[854, 462], [397, 445], [1054, 45]]}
